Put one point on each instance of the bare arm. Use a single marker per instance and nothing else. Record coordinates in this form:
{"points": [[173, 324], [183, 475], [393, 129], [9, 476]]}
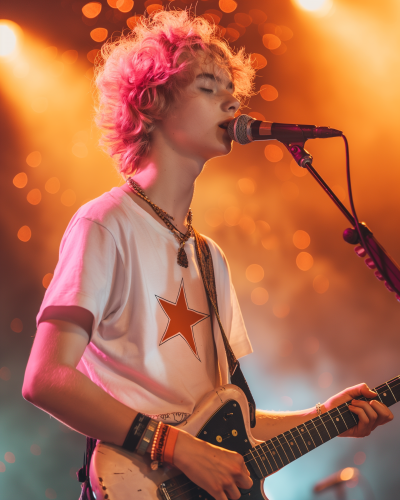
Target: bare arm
{"points": [[53, 383], [371, 414]]}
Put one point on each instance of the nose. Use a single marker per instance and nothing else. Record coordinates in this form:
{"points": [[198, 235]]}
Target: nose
{"points": [[230, 103]]}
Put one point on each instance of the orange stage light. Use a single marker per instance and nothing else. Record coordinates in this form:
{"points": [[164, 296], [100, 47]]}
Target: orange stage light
{"points": [[99, 34], [227, 5], [92, 9]]}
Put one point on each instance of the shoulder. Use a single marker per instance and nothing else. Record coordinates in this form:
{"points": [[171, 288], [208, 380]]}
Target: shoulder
{"points": [[107, 211]]}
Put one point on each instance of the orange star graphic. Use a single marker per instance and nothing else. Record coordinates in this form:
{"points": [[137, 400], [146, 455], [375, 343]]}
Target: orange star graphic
{"points": [[181, 319]]}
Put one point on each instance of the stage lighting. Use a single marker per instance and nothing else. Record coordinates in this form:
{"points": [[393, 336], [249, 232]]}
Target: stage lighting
{"points": [[314, 5], [8, 37]]}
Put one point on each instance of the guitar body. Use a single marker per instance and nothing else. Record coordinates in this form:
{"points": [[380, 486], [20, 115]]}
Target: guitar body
{"points": [[221, 418]]}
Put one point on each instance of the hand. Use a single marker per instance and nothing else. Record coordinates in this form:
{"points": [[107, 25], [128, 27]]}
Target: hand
{"points": [[370, 413], [218, 471]]}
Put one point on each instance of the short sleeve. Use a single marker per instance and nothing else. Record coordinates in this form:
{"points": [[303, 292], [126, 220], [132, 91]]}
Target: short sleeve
{"points": [[238, 338], [86, 272]]}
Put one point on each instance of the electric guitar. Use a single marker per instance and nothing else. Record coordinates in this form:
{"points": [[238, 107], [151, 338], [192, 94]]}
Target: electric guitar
{"points": [[222, 419]]}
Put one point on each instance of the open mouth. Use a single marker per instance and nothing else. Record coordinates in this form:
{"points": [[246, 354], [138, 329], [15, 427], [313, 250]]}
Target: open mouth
{"points": [[224, 125]]}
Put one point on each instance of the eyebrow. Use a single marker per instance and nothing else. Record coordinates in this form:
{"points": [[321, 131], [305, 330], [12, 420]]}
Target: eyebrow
{"points": [[211, 76]]}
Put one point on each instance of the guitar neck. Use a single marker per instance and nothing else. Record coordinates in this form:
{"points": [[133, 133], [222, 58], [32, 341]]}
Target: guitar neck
{"points": [[270, 456]]}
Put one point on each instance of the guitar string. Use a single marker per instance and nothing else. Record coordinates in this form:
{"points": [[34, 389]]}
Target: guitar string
{"points": [[279, 443], [276, 437]]}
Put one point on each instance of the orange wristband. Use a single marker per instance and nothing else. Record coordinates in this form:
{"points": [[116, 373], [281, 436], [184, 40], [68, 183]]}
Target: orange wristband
{"points": [[170, 444]]}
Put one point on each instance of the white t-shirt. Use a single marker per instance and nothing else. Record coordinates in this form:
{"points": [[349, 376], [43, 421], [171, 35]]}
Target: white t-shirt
{"points": [[151, 346]]}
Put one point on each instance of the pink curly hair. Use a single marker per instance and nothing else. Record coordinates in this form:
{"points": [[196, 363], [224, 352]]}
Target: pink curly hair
{"points": [[143, 72]]}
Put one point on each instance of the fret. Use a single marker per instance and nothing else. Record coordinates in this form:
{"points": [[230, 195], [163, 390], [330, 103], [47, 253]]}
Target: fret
{"points": [[315, 427], [340, 420], [271, 453], [322, 429], [293, 444], [333, 422], [301, 444], [286, 448], [391, 392], [278, 455], [256, 465], [263, 457], [395, 386], [304, 432]]}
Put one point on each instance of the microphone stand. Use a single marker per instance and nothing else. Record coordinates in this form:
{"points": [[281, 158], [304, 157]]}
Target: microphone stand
{"points": [[377, 257]]}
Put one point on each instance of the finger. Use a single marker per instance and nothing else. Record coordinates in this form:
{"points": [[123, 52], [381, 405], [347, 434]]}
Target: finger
{"points": [[363, 427], [383, 412], [232, 492], [218, 494], [244, 481], [361, 390]]}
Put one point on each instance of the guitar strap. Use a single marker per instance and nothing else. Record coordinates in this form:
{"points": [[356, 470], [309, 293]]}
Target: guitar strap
{"points": [[204, 259]]}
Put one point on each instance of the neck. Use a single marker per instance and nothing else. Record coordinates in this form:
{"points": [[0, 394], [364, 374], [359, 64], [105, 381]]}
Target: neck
{"points": [[168, 180]]}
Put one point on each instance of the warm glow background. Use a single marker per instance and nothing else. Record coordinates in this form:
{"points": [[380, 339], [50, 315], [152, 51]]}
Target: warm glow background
{"points": [[317, 317]]}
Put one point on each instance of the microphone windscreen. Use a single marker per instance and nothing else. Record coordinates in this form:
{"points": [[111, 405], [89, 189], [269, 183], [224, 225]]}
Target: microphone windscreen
{"points": [[237, 129]]}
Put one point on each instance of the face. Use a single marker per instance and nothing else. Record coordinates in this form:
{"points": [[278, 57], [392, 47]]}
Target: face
{"points": [[192, 125]]}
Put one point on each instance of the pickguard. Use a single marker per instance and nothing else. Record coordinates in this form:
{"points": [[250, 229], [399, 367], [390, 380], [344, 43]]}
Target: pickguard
{"points": [[225, 429]]}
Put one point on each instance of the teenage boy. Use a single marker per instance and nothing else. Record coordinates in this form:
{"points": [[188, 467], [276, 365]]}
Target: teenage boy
{"points": [[125, 331]]}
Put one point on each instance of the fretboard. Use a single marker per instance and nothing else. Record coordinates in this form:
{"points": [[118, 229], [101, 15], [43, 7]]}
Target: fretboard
{"points": [[266, 458]]}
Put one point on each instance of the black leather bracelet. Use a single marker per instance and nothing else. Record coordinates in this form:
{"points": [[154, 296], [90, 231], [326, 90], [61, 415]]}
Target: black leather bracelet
{"points": [[138, 427]]}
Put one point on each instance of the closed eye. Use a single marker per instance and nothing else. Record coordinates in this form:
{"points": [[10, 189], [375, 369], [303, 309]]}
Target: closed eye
{"points": [[207, 90]]}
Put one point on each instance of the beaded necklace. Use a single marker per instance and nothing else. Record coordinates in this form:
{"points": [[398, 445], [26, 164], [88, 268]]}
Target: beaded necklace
{"points": [[166, 218]]}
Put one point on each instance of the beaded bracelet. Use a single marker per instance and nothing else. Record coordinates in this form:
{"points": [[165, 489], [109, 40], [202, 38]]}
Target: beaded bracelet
{"points": [[162, 449], [136, 431], [318, 408]]}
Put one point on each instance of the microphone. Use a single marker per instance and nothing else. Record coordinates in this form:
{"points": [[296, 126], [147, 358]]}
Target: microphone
{"points": [[245, 129]]}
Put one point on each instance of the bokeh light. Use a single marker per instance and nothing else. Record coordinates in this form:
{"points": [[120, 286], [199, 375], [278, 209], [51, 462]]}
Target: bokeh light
{"points": [[258, 60], [124, 5], [50, 494], [347, 473], [5, 374], [258, 16], [227, 5], [273, 153], [313, 5], [9, 457], [321, 283], [259, 296], [99, 34], [270, 242], [34, 196], [153, 8], [246, 185], [20, 180], [24, 233], [2, 467], [231, 34], [213, 218], [92, 9], [304, 261], [34, 159], [243, 19], [69, 56], [68, 198], [301, 239], [247, 224], [268, 92], [359, 458], [254, 273], [132, 21], [271, 41], [256, 115], [52, 186], [92, 54], [47, 280], [297, 170], [8, 38], [80, 150], [281, 310], [214, 15], [16, 325], [36, 450]]}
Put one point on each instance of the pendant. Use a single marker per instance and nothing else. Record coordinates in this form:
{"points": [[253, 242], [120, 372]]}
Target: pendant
{"points": [[182, 258]]}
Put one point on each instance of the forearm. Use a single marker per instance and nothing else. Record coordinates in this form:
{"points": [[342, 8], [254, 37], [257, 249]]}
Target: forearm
{"points": [[53, 384], [270, 424]]}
